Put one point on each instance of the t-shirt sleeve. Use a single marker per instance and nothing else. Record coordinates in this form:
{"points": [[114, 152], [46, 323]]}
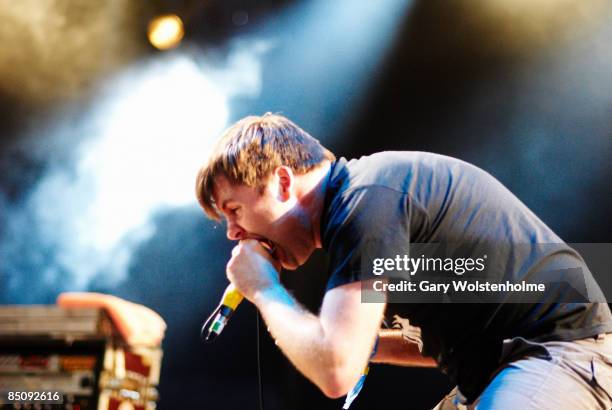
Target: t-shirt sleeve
{"points": [[366, 223]]}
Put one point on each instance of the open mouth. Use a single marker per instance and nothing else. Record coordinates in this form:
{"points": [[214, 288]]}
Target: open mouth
{"points": [[269, 245]]}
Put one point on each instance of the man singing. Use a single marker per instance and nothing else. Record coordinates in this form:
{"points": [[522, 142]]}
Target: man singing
{"points": [[279, 188]]}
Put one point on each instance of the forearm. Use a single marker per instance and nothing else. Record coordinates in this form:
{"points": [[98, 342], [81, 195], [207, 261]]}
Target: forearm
{"points": [[301, 337], [394, 349]]}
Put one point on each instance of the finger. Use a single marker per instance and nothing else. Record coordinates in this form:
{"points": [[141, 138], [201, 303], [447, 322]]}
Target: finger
{"points": [[228, 269], [250, 242]]}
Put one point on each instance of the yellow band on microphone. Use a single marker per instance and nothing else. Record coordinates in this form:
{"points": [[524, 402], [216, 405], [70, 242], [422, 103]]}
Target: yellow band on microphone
{"points": [[231, 297]]}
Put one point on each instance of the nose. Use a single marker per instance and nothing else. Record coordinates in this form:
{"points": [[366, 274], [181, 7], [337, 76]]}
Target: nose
{"points": [[235, 231]]}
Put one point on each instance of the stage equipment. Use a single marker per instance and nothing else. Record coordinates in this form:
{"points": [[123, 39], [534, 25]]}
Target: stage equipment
{"points": [[77, 353]]}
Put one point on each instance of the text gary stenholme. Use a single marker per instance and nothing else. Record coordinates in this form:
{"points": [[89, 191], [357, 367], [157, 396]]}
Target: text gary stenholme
{"points": [[458, 286]]}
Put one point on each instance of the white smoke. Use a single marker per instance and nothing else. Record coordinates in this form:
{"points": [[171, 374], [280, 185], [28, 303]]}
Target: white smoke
{"points": [[145, 141]]}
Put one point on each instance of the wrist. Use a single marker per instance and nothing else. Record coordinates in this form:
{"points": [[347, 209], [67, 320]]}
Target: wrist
{"points": [[265, 294]]}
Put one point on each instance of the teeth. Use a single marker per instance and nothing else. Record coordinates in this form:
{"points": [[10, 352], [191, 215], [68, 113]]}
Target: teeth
{"points": [[269, 246]]}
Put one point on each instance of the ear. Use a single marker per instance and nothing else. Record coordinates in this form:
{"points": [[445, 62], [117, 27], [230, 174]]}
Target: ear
{"points": [[286, 179]]}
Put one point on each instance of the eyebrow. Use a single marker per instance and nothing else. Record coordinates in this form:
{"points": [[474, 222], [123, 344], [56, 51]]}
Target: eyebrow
{"points": [[224, 203]]}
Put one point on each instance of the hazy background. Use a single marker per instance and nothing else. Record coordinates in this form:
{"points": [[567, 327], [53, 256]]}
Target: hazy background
{"points": [[101, 135]]}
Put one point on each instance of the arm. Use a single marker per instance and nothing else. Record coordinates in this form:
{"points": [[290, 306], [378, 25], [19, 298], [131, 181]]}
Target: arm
{"points": [[137, 324], [330, 349], [394, 348]]}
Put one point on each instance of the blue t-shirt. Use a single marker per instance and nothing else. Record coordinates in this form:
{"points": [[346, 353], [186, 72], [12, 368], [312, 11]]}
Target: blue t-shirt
{"points": [[383, 204]]}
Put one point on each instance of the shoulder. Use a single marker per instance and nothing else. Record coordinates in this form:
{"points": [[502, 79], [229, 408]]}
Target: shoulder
{"points": [[363, 213], [385, 179], [406, 170]]}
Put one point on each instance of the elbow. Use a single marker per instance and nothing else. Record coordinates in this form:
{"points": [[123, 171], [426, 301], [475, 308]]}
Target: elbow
{"points": [[338, 382], [340, 369]]}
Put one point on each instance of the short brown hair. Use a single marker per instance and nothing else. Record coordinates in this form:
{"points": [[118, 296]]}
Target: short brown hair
{"points": [[250, 150]]}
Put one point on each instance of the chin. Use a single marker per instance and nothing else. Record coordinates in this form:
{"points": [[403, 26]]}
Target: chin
{"points": [[289, 266], [288, 261]]}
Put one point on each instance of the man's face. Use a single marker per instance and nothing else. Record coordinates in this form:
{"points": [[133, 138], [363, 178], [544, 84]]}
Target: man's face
{"points": [[271, 217]]}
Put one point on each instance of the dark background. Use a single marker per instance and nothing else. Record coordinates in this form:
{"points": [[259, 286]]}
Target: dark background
{"points": [[522, 89]]}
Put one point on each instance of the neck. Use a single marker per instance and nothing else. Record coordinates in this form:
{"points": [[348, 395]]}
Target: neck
{"points": [[312, 198]]}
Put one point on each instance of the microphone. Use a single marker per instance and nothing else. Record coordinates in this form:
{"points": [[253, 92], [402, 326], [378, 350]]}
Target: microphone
{"points": [[216, 322], [229, 302]]}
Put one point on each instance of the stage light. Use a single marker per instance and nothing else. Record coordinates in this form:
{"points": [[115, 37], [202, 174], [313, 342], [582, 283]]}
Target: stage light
{"points": [[166, 32]]}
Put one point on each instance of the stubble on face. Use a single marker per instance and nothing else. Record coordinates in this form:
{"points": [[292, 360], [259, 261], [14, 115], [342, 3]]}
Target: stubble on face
{"points": [[264, 217]]}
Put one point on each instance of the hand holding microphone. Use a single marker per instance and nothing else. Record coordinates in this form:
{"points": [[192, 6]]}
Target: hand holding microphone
{"points": [[250, 269]]}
